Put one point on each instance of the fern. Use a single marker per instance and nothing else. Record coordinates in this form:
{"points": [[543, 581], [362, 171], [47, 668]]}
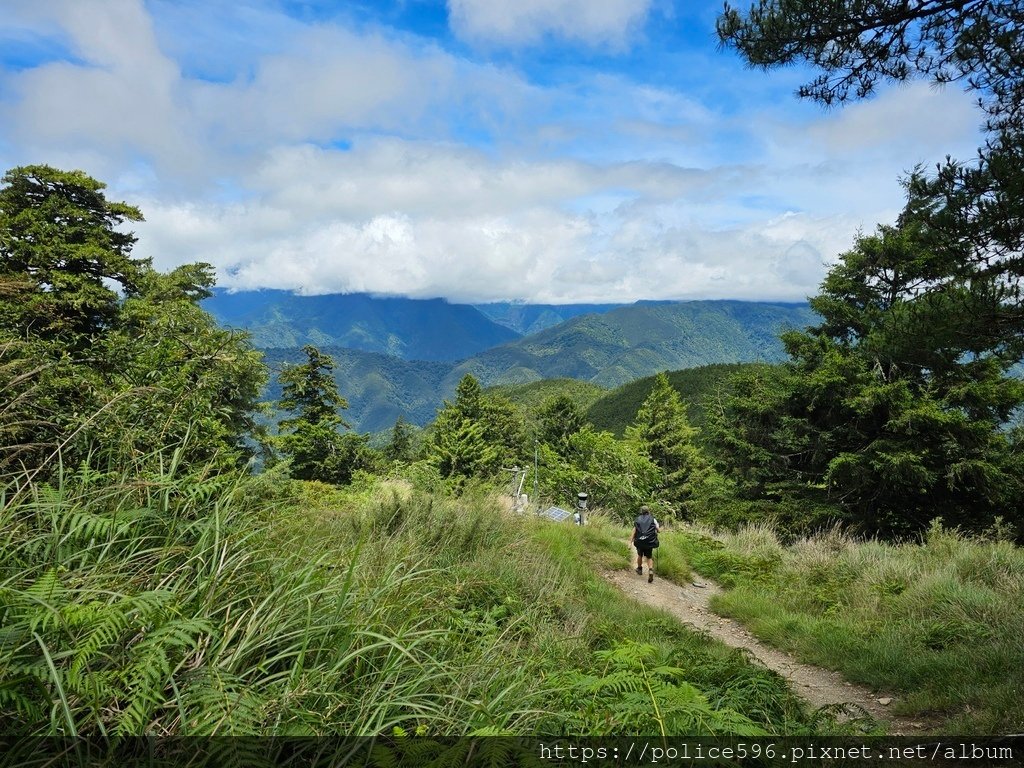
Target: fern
{"points": [[637, 694], [155, 659]]}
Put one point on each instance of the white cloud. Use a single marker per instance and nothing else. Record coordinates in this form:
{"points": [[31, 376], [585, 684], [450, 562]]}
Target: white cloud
{"points": [[455, 177], [433, 220], [524, 22]]}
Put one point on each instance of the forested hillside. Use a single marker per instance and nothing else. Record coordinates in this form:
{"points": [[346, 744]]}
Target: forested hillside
{"points": [[635, 341], [526, 319], [605, 350], [616, 410], [410, 329], [379, 388]]}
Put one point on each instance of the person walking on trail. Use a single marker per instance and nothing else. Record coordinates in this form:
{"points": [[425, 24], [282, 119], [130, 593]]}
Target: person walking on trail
{"points": [[645, 538]]}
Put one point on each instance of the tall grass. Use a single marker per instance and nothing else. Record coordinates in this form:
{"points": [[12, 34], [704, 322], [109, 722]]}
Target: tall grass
{"points": [[191, 603], [937, 621], [160, 605]]}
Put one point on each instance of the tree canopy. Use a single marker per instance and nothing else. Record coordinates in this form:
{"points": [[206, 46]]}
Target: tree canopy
{"points": [[857, 43], [476, 434], [664, 434], [312, 437], [898, 402], [60, 246], [107, 359]]}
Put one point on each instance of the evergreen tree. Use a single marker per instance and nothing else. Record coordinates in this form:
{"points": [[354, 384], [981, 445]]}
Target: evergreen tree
{"points": [[898, 402], [664, 434], [475, 435], [400, 447], [60, 246], [459, 449], [890, 404], [560, 419], [311, 437], [125, 363], [191, 379]]}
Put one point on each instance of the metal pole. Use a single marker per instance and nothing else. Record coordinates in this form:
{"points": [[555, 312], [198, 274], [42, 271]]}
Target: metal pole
{"points": [[536, 477], [581, 502]]}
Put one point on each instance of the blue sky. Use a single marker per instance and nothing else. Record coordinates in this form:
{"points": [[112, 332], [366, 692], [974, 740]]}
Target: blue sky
{"points": [[544, 150]]}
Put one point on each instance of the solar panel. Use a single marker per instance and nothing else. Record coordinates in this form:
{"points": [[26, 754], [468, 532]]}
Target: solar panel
{"points": [[556, 513]]}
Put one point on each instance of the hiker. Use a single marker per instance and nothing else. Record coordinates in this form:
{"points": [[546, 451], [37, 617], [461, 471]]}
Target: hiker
{"points": [[645, 538]]}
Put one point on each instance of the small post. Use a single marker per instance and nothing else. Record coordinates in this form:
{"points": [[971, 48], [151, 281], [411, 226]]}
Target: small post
{"points": [[536, 476]]}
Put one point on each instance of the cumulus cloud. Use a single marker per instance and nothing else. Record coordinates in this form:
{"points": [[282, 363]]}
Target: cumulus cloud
{"points": [[432, 220], [352, 158], [524, 22]]}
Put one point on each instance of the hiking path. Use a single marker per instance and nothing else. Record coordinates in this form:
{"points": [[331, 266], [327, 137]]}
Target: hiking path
{"points": [[819, 687]]}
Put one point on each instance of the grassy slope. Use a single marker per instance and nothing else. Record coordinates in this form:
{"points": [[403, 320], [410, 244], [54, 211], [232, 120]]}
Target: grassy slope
{"points": [[205, 605], [938, 621], [191, 606]]}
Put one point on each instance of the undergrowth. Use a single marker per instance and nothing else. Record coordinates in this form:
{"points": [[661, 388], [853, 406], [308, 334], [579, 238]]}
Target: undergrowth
{"points": [[935, 621], [181, 603]]}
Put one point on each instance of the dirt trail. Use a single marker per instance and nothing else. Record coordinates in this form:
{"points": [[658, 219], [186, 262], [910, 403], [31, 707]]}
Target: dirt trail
{"points": [[820, 687]]}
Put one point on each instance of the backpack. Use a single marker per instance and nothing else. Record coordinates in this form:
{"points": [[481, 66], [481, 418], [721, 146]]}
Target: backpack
{"points": [[646, 532]]}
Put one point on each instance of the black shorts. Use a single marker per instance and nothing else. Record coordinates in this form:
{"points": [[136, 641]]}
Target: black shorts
{"points": [[645, 551]]}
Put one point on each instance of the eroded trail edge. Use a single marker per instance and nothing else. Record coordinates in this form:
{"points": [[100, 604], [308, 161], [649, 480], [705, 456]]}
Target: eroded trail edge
{"points": [[819, 687]]}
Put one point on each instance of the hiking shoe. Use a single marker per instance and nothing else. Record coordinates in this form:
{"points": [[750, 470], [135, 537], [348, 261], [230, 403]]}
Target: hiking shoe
{"points": [[639, 571], [650, 577]]}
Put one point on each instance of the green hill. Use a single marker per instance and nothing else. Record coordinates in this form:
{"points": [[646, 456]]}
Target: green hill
{"points": [[526, 319], [379, 388], [617, 409], [530, 398], [604, 351], [635, 341]]}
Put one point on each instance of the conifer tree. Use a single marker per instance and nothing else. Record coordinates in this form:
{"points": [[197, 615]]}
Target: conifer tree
{"points": [[476, 434], [898, 403], [400, 446], [311, 438], [666, 437], [560, 419], [125, 361]]}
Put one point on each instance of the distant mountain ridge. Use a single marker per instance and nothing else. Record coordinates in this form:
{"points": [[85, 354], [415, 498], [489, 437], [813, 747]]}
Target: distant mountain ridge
{"points": [[410, 329], [526, 319], [610, 349], [638, 340]]}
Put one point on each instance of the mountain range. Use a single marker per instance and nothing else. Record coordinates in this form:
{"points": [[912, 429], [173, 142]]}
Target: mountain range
{"points": [[410, 329], [403, 357]]}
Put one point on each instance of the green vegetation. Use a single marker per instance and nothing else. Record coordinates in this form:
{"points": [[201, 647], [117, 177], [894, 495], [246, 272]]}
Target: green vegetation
{"points": [[530, 398], [475, 435], [594, 351], [151, 583], [618, 409], [665, 436], [639, 340], [220, 604], [937, 622], [310, 439], [99, 377], [897, 404]]}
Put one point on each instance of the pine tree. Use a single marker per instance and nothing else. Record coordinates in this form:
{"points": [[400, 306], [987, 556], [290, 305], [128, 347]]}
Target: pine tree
{"points": [[311, 438], [666, 437], [400, 446], [475, 435], [560, 419]]}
